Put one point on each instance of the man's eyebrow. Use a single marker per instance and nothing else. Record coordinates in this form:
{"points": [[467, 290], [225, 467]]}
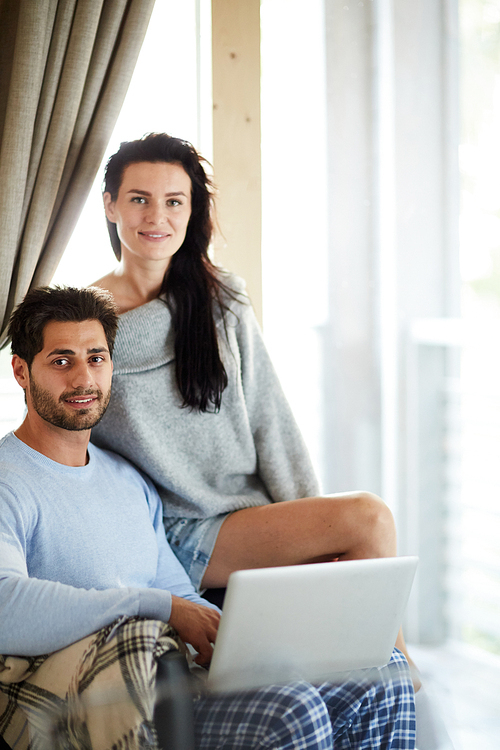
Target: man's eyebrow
{"points": [[167, 195], [67, 352], [70, 352]]}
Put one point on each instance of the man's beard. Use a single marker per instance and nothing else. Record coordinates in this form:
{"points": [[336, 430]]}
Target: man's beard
{"points": [[56, 414]]}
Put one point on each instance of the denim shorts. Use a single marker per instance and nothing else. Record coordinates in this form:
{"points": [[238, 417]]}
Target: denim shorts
{"points": [[193, 541]]}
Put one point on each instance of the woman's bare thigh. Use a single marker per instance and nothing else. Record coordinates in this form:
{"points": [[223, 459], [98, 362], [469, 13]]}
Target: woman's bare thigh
{"points": [[347, 526]]}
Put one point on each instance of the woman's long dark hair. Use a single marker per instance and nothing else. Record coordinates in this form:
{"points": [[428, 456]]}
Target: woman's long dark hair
{"points": [[192, 284]]}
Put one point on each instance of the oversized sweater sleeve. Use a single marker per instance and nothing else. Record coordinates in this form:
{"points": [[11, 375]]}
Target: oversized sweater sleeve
{"points": [[284, 464]]}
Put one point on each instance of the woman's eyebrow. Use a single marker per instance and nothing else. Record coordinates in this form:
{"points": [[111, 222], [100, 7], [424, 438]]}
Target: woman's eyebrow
{"points": [[146, 193]]}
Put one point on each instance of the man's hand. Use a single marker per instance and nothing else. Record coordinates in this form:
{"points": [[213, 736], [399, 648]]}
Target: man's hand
{"points": [[196, 625]]}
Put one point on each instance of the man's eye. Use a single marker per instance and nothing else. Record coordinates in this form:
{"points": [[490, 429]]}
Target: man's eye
{"points": [[97, 359], [61, 362]]}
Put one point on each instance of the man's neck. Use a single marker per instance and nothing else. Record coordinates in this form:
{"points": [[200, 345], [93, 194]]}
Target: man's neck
{"points": [[68, 447]]}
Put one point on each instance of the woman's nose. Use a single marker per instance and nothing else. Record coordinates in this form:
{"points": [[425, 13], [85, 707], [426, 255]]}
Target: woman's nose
{"points": [[156, 213]]}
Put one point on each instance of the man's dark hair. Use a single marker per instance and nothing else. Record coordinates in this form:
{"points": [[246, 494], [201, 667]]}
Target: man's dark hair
{"points": [[64, 305]]}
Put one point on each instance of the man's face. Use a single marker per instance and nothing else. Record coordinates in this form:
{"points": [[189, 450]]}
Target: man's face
{"points": [[69, 383]]}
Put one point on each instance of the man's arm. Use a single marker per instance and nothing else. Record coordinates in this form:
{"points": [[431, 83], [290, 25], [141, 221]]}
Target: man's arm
{"points": [[39, 617]]}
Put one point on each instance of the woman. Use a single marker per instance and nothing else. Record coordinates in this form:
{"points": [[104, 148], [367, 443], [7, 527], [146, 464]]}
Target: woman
{"points": [[196, 403]]}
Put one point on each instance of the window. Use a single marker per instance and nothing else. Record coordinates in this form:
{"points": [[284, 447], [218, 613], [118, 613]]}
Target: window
{"points": [[475, 610]]}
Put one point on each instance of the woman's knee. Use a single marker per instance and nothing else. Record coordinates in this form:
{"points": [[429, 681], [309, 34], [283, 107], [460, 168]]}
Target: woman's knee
{"points": [[371, 524], [377, 514]]}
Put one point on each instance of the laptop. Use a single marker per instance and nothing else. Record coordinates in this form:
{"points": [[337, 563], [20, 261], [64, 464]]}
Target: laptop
{"points": [[311, 622]]}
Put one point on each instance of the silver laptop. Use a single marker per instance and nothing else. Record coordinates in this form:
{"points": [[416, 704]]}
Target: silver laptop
{"points": [[309, 622]]}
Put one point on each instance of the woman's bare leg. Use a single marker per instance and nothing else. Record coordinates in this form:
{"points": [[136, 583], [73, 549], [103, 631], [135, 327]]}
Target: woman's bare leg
{"points": [[346, 526]]}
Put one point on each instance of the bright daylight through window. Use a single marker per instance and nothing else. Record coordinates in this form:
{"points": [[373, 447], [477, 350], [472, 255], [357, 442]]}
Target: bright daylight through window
{"points": [[479, 616]]}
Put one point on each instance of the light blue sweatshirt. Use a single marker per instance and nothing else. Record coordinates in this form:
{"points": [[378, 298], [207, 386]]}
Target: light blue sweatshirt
{"points": [[79, 546]]}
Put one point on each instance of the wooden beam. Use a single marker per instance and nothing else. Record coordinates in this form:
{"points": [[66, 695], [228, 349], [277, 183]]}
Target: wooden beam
{"points": [[236, 139]]}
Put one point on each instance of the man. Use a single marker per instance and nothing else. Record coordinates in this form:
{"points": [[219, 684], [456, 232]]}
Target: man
{"points": [[83, 553]]}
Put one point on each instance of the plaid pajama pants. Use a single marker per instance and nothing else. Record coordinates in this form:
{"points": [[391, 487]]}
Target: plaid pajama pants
{"points": [[374, 709]]}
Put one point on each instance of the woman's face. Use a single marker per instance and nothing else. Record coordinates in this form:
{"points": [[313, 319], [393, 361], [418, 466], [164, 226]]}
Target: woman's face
{"points": [[151, 211]]}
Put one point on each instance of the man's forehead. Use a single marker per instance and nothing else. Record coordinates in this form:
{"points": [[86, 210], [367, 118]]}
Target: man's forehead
{"points": [[66, 336]]}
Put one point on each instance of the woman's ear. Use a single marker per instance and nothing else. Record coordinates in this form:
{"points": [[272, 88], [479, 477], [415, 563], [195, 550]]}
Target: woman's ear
{"points": [[109, 207]]}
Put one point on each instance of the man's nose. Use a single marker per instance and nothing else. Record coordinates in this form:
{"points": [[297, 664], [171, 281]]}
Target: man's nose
{"points": [[81, 376]]}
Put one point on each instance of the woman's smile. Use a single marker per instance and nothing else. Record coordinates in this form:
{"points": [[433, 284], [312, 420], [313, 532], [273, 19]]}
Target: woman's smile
{"points": [[152, 236]]}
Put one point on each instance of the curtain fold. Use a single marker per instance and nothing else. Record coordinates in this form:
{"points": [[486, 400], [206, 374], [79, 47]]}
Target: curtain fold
{"points": [[65, 69]]}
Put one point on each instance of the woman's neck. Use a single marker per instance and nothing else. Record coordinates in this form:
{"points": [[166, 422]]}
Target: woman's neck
{"points": [[133, 287]]}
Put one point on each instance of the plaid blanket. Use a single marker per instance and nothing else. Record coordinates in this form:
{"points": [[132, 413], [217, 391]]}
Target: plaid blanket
{"points": [[97, 694]]}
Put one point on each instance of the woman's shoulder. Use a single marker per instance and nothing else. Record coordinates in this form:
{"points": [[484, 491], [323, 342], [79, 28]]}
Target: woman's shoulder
{"points": [[232, 291], [235, 317], [230, 283]]}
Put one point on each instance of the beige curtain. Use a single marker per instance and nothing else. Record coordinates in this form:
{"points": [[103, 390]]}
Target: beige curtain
{"points": [[65, 66]]}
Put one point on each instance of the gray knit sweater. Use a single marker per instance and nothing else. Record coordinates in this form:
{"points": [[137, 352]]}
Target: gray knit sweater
{"points": [[248, 454]]}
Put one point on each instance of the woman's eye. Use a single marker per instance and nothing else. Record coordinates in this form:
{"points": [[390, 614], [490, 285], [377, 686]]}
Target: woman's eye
{"points": [[174, 202], [138, 199]]}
